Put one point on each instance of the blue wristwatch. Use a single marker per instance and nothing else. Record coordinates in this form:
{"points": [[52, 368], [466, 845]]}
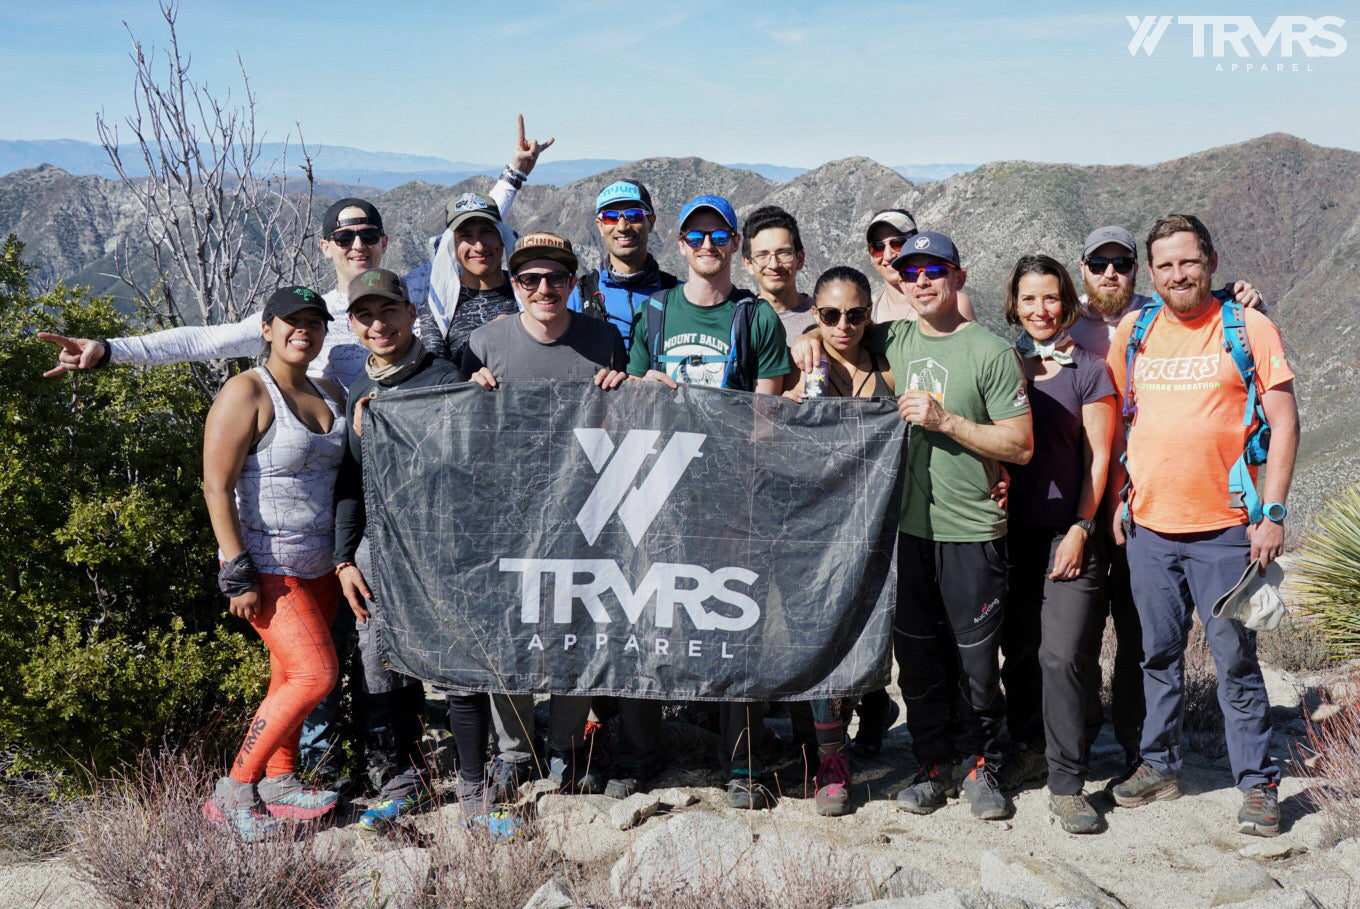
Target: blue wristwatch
{"points": [[1276, 512]]}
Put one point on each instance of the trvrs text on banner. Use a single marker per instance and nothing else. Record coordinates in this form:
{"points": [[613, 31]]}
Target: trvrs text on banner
{"points": [[681, 544]]}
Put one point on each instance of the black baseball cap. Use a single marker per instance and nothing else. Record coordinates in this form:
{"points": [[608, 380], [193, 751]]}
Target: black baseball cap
{"points": [[285, 301], [377, 282], [331, 222]]}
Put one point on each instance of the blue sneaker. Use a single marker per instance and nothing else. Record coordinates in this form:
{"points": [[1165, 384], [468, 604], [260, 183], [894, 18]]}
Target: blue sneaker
{"points": [[247, 823], [387, 812], [501, 825], [573, 772]]}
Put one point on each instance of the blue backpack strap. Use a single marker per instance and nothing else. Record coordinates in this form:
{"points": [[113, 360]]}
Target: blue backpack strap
{"points": [[740, 373], [1137, 337], [656, 327], [1240, 485]]}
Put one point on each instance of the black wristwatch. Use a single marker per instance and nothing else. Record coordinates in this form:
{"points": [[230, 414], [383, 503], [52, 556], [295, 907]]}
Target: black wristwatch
{"points": [[1088, 526]]}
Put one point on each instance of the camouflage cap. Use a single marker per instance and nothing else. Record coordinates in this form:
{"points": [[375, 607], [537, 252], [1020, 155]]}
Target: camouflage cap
{"points": [[543, 245], [469, 206], [377, 282]]}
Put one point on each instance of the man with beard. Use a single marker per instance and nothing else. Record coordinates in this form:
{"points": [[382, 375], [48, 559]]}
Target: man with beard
{"points": [[1201, 380], [1109, 274], [615, 292]]}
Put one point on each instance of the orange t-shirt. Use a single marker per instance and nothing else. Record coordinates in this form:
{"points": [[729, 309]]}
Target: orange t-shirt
{"points": [[1188, 431]]}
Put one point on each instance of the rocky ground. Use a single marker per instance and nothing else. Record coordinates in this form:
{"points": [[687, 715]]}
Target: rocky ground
{"points": [[1183, 853]]}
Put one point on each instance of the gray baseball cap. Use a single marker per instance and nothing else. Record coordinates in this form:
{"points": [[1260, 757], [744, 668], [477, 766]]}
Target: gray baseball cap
{"points": [[1109, 234]]}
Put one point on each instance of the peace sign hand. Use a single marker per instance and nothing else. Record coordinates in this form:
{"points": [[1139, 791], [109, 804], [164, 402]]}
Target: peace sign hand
{"points": [[527, 151], [76, 353]]}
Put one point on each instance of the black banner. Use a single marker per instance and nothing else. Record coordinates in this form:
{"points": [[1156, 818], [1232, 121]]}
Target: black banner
{"points": [[680, 544]]}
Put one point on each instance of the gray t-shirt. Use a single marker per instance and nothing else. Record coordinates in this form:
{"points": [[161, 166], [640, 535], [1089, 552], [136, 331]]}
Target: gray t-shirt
{"points": [[510, 352], [797, 321]]}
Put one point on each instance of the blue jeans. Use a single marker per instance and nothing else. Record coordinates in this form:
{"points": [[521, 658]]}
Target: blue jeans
{"points": [[1173, 575]]}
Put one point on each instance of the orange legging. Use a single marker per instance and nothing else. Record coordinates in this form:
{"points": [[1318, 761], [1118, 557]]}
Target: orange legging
{"points": [[294, 621]]}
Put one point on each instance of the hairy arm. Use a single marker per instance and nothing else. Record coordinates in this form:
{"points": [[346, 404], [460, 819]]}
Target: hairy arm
{"points": [[1282, 412]]}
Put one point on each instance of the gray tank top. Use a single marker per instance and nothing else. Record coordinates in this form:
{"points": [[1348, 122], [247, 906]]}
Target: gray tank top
{"points": [[286, 491]]}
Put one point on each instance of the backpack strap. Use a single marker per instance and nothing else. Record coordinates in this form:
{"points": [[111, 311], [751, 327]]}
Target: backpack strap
{"points": [[740, 373], [592, 300], [1146, 316], [656, 327], [1240, 485]]}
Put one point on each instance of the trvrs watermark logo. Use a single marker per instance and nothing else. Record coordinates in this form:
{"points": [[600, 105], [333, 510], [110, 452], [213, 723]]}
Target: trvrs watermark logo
{"points": [[711, 599], [1285, 37]]}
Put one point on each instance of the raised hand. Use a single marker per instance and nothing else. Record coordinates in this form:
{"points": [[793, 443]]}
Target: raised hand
{"points": [[527, 151], [76, 353]]}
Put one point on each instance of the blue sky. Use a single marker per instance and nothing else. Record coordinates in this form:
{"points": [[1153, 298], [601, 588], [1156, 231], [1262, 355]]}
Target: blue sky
{"points": [[795, 83]]}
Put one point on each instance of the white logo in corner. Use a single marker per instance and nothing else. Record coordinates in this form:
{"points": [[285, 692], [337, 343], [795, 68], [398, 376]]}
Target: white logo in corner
{"points": [[615, 493], [922, 242]]}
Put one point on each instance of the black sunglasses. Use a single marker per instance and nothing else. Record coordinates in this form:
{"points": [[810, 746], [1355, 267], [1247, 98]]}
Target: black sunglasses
{"points": [[530, 280], [1122, 264], [830, 315], [876, 247], [369, 236]]}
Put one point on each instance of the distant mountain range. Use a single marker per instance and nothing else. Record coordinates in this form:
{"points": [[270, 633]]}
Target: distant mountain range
{"points": [[1285, 215], [384, 170]]}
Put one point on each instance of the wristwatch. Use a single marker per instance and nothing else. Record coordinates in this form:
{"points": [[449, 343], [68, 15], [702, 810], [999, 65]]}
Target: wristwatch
{"points": [[1088, 526], [1276, 512]]}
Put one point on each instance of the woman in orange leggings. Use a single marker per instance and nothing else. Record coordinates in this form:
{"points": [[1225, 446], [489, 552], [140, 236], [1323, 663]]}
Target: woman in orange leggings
{"points": [[272, 446]]}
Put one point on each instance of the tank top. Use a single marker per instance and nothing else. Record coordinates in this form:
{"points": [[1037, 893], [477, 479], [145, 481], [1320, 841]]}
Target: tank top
{"points": [[286, 491], [881, 387]]}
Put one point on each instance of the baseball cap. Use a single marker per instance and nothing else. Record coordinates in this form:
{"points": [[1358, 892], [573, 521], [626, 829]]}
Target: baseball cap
{"points": [[542, 245], [287, 300], [331, 221], [1110, 234], [928, 243], [469, 206], [717, 204], [1255, 599], [624, 191], [899, 218], [377, 282]]}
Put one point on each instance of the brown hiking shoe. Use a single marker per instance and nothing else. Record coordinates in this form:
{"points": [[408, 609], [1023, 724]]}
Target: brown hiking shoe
{"points": [[1146, 784]]}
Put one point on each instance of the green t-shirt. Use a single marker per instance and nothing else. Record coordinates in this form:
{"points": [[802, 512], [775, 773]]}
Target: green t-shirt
{"points": [[704, 334], [976, 375]]}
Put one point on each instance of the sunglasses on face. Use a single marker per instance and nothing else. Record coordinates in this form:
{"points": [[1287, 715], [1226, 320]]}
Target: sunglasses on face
{"points": [[1122, 264], [695, 238], [530, 280], [830, 315], [369, 236], [933, 271], [609, 217], [876, 247]]}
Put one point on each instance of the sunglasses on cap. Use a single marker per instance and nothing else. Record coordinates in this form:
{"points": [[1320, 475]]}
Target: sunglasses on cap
{"points": [[1122, 264], [530, 280], [695, 238], [369, 236], [876, 247], [934, 271], [610, 216], [830, 315]]}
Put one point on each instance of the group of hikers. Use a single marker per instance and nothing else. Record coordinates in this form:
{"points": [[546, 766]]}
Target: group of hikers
{"points": [[1098, 466]]}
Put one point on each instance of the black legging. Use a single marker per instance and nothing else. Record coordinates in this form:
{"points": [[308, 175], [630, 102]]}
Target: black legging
{"points": [[470, 723]]}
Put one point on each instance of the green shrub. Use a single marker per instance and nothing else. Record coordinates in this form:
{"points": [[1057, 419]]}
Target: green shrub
{"points": [[1329, 574], [111, 631]]}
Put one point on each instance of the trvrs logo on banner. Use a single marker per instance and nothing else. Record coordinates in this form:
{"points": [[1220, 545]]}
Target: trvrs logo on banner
{"points": [[1286, 37]]}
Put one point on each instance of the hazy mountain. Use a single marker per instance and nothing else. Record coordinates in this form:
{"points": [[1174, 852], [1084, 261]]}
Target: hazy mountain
{"points": [[1285, 214]]}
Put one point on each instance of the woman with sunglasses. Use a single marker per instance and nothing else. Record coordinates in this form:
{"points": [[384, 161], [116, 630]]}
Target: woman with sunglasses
{"points": [[1055, 569], [272, 447], [888, 231], [841, 303]]}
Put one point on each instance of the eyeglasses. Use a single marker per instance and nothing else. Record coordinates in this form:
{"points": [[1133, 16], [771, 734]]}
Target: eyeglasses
{"points": [[369, 236], [695, 238], [933, 271], [1122, 264], [784, 256], [609, 217], [530, 280], [830, 315], [876, 247]]}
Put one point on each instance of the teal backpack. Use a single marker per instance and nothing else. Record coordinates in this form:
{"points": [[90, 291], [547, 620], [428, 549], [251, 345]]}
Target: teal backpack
{"points": [[1240, 485]]}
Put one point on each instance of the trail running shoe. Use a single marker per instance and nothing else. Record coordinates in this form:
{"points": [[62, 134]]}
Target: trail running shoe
{"points": [[1074, 813], [501, 825], [1146, 784], [1260, 813], [930, 789], [744, 792], [303, 804], [979, 787], [574, 772], [387, 812], [505, 778], [247, 823], [833, 786], [1026, 765]]}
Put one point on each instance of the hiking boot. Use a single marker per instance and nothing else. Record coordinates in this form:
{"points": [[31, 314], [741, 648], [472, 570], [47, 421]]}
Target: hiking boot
{"points": [[249, 824], [980, 788], [386, 813], [745, 792], [1146, 784], [471, 794], [284, 797], [506, 778], [1024, 766], [933, 785], [1260, 812], [869, 737], [573, 772], [833, 786], [625, 780], [1074, 813]]}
